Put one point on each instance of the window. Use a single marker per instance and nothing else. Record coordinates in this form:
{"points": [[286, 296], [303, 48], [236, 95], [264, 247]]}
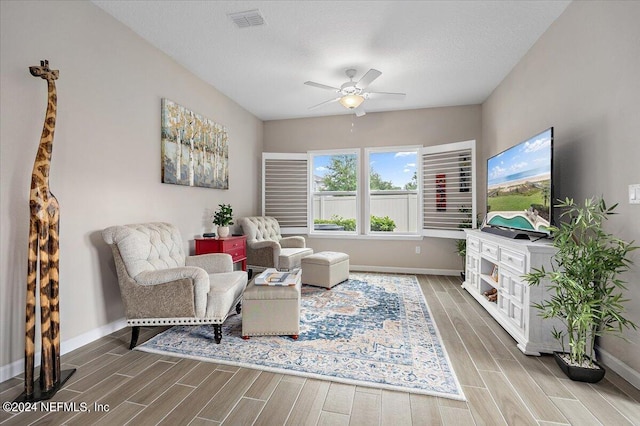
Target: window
{"points": [[335, 186], [391, 204], [408, 191]]}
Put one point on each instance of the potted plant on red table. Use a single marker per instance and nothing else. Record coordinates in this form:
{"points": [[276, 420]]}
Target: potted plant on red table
{"points": [[223, 217]]}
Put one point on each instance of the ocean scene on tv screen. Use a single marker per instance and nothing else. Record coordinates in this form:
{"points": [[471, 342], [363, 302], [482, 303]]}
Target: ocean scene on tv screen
{"points": [[519, 185]]}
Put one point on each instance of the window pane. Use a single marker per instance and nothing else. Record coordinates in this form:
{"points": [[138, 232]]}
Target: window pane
{"points": [[393, 183], [335, 183]]}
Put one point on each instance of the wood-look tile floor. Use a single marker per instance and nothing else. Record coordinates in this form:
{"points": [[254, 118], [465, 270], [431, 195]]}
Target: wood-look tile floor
{"points": [[502, 386]]}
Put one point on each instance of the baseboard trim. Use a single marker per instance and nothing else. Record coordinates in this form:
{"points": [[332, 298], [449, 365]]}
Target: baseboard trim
{"points": [[17, 367], [401, 270], [629, 374]]}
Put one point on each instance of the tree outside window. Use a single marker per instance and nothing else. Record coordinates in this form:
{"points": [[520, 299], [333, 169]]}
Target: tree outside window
{"points": [[335, 200]]}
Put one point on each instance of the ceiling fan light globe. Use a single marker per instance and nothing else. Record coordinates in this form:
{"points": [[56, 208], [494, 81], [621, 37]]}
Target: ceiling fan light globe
{"points": [[351, 101]]}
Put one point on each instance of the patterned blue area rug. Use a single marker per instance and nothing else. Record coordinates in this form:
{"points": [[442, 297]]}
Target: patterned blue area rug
{"points": [[373, 330]]}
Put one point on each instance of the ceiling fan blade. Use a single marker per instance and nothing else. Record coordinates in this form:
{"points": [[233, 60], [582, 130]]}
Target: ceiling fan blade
{"points": [[321, 86], [378, 95], [324, 103], [359, 112], [368, 78]]}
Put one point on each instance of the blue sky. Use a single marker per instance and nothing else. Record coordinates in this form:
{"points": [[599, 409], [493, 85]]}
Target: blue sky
{"points": [[529, 158], [398, 167]]}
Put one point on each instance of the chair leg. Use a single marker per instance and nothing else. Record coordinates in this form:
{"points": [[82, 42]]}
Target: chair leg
{"points": [[217, 332], [135, 333], [239, 308]]}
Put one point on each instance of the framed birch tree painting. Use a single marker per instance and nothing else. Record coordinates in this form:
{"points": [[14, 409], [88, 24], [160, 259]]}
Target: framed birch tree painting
{"points": [[195, 150]]}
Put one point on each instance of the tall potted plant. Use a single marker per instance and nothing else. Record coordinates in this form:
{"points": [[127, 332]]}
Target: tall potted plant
{"points": [[223, 217], [585, 291], [461, 250], [461, 245]]}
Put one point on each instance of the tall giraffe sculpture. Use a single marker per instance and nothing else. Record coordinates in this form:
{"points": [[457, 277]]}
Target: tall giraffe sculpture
{"points": [[43, 247]]}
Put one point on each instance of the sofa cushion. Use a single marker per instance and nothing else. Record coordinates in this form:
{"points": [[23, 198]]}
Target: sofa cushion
{"points": [[259, 228], [326, 258], [291, 257], [224, 289], [147, 246]]}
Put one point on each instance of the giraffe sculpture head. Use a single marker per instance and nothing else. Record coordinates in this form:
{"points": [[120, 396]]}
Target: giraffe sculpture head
{"points": [[44, 72]]}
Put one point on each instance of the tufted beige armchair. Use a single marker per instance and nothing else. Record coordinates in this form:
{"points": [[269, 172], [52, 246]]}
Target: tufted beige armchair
{"points": [[161, 286], [267, 248]]}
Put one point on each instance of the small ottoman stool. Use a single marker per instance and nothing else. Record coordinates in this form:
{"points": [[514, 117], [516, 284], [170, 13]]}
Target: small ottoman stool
{"points": [[325, 269], [271, 310]]}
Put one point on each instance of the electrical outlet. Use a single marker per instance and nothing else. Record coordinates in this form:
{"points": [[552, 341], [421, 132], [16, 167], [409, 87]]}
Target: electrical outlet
{"points": [[634, 194], [417, 249]]}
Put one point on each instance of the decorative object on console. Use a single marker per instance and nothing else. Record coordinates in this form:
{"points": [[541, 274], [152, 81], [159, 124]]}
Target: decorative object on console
{"points": [[494, 273], [491, 295], [223, 217], [586, 293], [44, 243], [195, 149]]}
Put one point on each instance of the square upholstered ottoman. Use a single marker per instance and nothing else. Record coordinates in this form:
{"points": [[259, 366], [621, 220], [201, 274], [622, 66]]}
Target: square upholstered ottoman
{"points": [[271, 310], [325, 269]]}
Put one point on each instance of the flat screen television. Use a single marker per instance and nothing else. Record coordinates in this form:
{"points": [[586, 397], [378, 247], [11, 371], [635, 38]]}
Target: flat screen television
{"points": [[520, 187]]}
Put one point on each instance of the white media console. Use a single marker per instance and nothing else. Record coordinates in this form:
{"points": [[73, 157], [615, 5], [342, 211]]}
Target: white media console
{"points": [[497, 262]]}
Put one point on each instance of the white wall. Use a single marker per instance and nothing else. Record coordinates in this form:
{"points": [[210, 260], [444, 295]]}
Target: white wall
{"points": [[583, 78], [106, 153]]}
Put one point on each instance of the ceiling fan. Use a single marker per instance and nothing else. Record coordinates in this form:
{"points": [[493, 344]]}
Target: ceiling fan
{"points": [[352, 94]]}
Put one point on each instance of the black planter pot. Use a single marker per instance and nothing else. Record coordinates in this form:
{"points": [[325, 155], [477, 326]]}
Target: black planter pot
{"points": [[580, 374]]}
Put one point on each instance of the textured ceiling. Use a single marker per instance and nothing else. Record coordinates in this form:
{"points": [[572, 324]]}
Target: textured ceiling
{"points": [[440, 53]]}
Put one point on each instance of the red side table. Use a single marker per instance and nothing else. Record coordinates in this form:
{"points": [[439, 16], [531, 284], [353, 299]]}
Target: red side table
{"points": [[236, 246]]}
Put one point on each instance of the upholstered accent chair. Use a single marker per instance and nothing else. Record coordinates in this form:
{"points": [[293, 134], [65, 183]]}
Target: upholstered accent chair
{"points": [[267, 248], [160, 285]]}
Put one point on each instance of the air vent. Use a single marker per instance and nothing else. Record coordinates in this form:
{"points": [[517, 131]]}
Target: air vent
{"points": [[249, 18]]}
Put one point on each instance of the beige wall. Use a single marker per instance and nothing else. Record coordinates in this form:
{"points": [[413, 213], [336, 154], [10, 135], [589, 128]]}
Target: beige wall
{"points": [[582, 77], [106, 154], [425, 127]]}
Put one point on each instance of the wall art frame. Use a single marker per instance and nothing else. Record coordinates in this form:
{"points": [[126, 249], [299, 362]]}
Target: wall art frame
{"points": [[195, 149]]}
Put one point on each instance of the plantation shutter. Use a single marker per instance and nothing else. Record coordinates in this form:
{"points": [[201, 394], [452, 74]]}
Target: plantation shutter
{"points": [[448, 189], [285, 191]]}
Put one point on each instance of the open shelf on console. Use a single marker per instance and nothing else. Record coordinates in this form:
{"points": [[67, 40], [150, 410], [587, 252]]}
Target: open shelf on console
{"points": [[488, 277]]}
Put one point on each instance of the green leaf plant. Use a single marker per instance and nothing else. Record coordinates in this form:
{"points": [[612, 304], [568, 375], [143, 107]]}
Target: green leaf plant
{"points": [[466, 223], [223, 216], [585, 291]]}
